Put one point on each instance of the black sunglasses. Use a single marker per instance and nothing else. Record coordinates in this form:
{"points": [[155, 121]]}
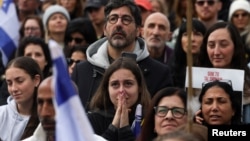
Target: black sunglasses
{"points": [[202, 2], [77, 40], [245, 14], [229, 82], [71, 61]]}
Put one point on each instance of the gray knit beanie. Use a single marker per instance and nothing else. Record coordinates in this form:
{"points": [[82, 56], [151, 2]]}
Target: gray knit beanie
{"points": [[238, 5], [52, 10]]}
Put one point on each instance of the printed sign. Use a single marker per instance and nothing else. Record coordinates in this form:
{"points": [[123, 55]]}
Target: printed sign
{"points": [[201, 75]]}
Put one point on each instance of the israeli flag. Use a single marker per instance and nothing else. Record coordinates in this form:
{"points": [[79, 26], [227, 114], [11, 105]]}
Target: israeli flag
{"points": [[72, 123], [9, 27], [136, 126]]}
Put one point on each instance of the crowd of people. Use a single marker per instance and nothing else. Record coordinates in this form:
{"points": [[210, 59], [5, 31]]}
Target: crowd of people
{"points": [[122, 53]]}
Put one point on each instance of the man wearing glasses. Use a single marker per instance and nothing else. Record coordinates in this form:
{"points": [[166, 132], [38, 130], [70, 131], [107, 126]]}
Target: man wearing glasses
{"points": [[122, 29], [207, 11]]}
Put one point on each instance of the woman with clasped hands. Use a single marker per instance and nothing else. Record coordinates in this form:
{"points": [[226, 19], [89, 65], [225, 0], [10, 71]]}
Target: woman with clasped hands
{"points": [[112, 109]]}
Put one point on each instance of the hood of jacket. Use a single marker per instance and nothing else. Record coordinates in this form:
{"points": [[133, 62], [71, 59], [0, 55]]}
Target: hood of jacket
{"points": [[11, 102], [13, 123], [97, 52]]}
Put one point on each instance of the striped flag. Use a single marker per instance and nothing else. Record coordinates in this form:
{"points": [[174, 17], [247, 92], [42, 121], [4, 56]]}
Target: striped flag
{"points": [[72, 123], [9, 27]]}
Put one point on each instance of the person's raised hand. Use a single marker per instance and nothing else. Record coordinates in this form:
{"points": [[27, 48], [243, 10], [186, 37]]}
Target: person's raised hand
{"points": [[198, 119], [124, 121], [117, 117]]}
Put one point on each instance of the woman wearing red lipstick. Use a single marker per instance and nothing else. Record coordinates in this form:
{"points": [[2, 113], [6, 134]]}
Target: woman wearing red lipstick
{"points": [[166, 113], [219, 104]]}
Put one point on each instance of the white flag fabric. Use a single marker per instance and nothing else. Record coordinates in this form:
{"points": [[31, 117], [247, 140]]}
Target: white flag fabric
{"points": [[72, 123], [9, 27]]}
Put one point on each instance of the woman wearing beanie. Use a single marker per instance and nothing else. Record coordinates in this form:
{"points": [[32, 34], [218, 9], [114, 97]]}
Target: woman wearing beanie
{"points": [[55, 21], [239, 15]]}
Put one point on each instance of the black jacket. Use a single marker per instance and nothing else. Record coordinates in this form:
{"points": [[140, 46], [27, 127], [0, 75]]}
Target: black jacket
{"points": [[87, 75], [101, 123]]}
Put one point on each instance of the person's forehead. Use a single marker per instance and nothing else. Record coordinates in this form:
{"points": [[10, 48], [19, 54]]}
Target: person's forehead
{"points": [[45, 88], [124, 10], [241, 11], [157, 19], [218, 32], [45, 91], [215, 90], [31, 21], [37, 1]]}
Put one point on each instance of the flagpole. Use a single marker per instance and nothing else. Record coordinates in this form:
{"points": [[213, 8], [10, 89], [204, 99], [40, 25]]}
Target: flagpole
{"points": [[189, 64]]}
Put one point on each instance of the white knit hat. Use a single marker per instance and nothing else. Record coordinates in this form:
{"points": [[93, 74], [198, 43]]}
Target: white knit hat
{"points": [[238, 5], [52, 10]]}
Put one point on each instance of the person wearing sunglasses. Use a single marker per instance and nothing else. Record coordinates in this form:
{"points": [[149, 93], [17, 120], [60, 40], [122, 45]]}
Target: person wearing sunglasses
{"points": [[79, 32], [239, 16], [208, 11], [167, 112], [219, 104], [77, 54]]}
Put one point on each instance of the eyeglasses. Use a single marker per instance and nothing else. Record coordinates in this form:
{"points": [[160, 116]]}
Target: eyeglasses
{"points": [[245, 14], [77, 40], [71, 61], [162, 111], [229, 82], [202, 2], [126, 20], [31, 28]]}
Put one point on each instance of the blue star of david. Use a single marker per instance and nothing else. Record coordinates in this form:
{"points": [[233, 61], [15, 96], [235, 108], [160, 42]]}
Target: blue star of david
{"points": [[6, 4]]}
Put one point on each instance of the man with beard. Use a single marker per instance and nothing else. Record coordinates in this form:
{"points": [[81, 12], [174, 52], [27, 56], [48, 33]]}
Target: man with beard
{"points": [[122, 29], [156, 32], [208, 11], [46, 113]]}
